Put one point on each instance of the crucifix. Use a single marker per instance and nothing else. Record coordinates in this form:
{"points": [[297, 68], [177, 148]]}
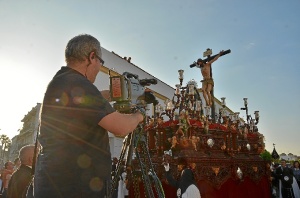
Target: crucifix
{"points": [[208, 82]]}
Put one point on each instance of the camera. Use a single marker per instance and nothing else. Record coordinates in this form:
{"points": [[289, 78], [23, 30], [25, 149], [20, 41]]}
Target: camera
{"points": [[128, 91]]}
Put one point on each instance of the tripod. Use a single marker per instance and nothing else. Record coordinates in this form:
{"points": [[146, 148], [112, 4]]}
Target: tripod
{"points": [[137, 141]]}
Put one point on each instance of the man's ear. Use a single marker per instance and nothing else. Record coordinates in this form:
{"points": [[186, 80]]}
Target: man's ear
{"points": [[92, 56]]}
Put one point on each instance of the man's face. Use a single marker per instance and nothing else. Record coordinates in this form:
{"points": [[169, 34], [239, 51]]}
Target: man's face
{"points": [[10, 166], [283, 163], [94, 66]]}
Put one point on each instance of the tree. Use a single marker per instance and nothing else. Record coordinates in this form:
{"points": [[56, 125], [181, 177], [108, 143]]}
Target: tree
{"points": [[5, 145], [266, 155]]}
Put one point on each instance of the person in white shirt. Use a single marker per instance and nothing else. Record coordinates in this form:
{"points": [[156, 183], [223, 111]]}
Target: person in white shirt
{"points": [[122, 190], [186, 185]]}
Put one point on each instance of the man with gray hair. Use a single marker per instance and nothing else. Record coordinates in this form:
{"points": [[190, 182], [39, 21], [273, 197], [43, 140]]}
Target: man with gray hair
{"points": [[22, 176], [75, 160]]}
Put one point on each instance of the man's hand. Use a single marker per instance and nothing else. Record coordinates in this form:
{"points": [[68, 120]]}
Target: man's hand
{"points": [[140, 111], [167, 166]]}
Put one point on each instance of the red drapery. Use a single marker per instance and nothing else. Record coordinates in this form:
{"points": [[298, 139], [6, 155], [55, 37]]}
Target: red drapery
{"points": [[230, 189]]}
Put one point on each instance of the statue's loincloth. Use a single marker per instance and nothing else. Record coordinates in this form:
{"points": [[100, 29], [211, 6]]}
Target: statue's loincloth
{"points": [[208, 81]]}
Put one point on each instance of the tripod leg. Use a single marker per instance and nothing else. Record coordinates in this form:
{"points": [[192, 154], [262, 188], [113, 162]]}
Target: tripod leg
{"points": [[117, 172], [130, 149], [147, 168], [157, 184], [136, 140], [144, 170]]}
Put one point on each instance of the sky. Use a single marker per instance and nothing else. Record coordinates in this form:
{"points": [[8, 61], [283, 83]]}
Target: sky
{"points": [[162, 36]]}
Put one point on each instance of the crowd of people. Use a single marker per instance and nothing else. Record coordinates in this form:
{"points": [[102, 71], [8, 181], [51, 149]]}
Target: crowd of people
{"points": [[15, 177], [285, 180], [185, 185]]}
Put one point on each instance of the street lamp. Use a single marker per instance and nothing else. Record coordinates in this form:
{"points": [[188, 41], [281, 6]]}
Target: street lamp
{"points": [[251, 123], [180, 76]]}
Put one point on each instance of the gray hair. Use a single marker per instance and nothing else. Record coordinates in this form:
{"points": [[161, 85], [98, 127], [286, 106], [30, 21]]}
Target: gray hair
{"points": [[25, 152], [79, 47]]}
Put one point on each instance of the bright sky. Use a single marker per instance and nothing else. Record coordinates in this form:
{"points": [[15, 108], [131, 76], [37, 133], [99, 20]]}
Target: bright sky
{"points": [[162, 37]]}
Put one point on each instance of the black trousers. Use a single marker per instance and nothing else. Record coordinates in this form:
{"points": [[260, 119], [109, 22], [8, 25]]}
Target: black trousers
{"points": [[287, 193]]}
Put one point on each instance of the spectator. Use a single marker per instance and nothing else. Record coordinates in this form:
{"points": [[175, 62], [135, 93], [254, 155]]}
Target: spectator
{"points": [[285, 176], [296, 172], [21, 178], [274, 181], [5, 176], [186, 186], [122, 190]]}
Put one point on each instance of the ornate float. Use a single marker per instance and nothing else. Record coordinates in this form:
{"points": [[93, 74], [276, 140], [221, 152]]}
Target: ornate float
{"points": [[224, 154], [222, 149]]}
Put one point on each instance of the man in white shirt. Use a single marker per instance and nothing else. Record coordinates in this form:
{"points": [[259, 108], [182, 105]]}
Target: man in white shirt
{"points": [[186, 185]]}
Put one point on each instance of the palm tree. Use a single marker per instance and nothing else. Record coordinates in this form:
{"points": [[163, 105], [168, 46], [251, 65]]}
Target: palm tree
{"points": [[5, 145]]}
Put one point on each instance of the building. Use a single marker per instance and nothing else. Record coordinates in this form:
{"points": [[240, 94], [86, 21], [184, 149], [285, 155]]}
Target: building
{"points": [[27, 134], [288, 157]]}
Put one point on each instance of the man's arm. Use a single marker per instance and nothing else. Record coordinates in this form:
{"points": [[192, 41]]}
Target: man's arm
{"points": [[171, 180], [121, 124], [216, 58]]}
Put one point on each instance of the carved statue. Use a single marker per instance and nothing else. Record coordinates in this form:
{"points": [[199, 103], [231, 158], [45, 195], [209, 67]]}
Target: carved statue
{"points": [[195, 140], [174, 142], [207, 82], [184, 123], [206, 126]]}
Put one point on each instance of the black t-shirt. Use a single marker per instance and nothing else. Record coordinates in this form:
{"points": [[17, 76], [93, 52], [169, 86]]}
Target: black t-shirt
{"points": [[69, 132]]}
